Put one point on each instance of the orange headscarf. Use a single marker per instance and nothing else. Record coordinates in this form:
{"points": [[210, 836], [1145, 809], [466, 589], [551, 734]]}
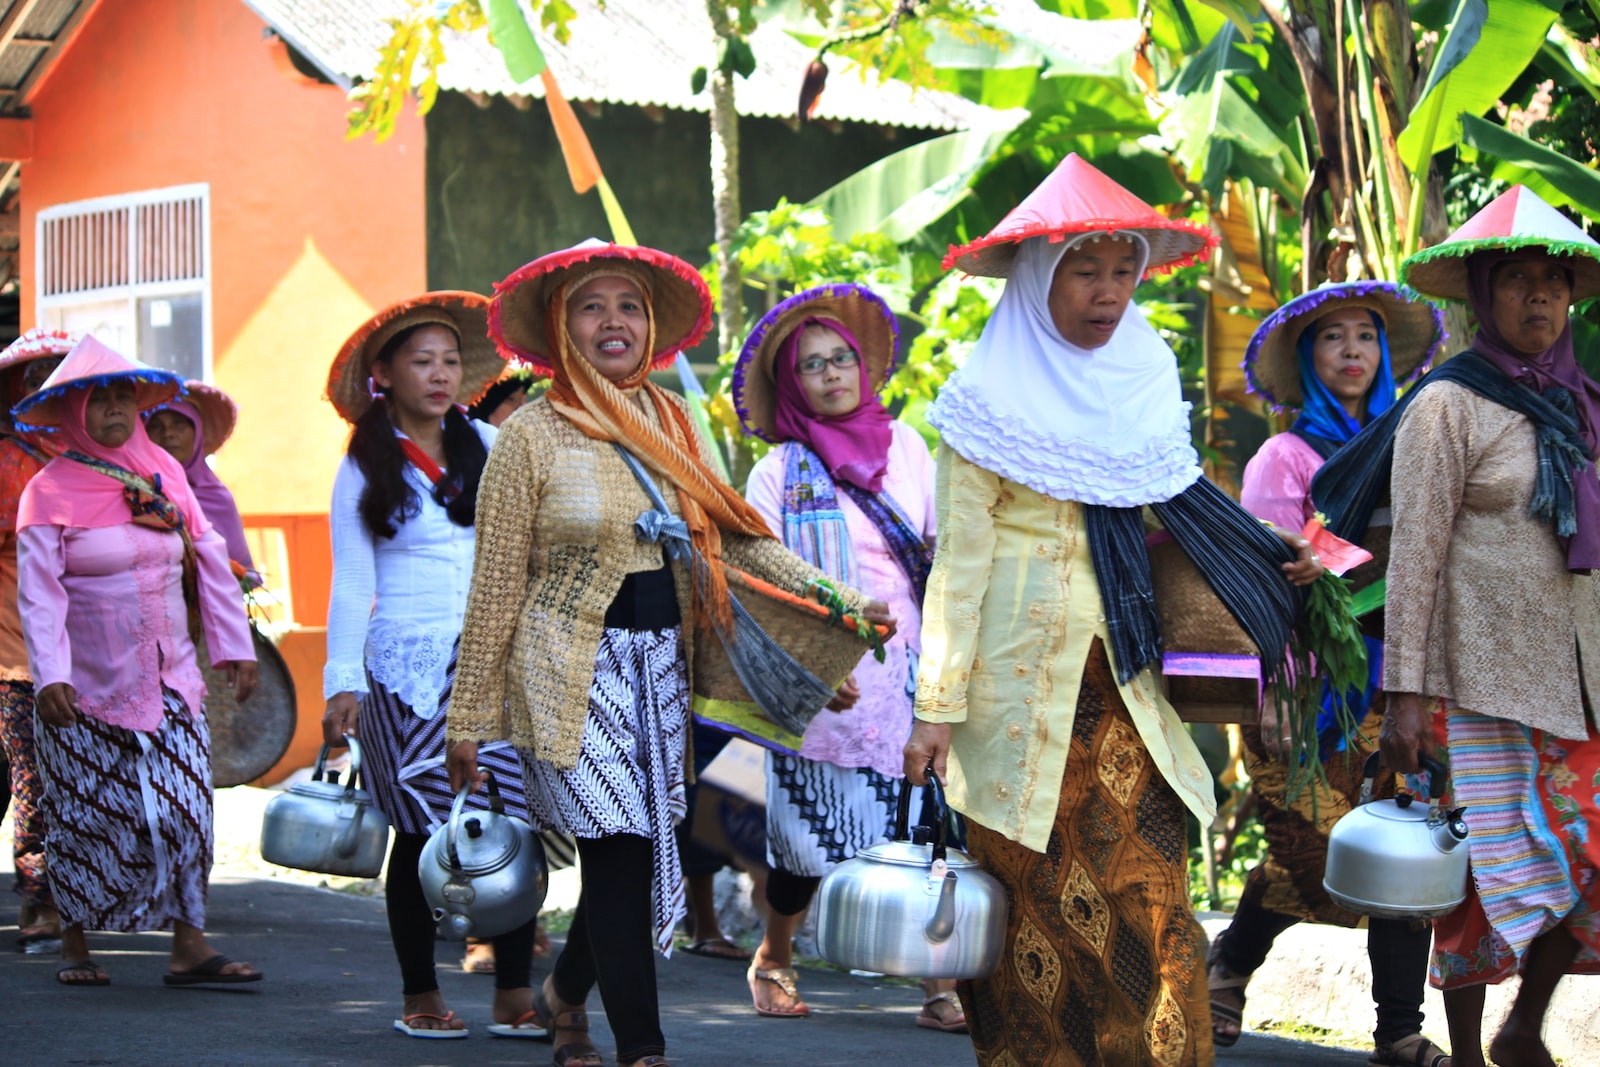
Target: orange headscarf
{"points": [[604, 410]]}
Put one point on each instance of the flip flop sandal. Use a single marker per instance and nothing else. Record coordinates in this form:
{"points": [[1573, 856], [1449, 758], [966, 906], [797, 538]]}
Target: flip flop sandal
{"points": [[930, 1019], [1413, 1050], [573, 1053], [1221, 980], [528, 1026], [444, 1033], [785, 978], [209, 973], [97, 974], [717, 948]]}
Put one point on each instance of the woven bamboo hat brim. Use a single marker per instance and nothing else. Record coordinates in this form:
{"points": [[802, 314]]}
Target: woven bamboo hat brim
{"points": [[218, 413], [679, 301], [1517, 218], [466, 313], [1414, 327], [92, 363], [1078, 198], [855, 307], [37, 343]]}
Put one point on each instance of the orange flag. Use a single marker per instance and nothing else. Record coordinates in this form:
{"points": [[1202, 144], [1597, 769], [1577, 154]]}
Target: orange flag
{"points": [[582, 166]]}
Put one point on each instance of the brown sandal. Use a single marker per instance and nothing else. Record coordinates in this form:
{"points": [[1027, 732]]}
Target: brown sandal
{"points": [[786, 979], [1221, 980], [1413, 1050], [574, 1053]]}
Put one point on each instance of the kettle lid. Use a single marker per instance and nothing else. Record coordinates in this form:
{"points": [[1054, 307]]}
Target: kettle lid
{"points": [[909, 854], [328, 791], [486, 841]]}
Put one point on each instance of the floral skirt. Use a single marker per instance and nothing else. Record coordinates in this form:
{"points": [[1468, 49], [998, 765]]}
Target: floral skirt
{"points": [[1104, 961], [1533, 809], [129, 818], [16, 735]]}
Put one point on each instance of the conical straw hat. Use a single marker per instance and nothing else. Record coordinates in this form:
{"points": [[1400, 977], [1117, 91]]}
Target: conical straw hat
{"points": [[1517, 218]]}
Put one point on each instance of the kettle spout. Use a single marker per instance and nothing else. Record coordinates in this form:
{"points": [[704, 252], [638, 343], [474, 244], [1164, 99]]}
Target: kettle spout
{"points": [[453, 925], [1450, 832], [943, 921]]}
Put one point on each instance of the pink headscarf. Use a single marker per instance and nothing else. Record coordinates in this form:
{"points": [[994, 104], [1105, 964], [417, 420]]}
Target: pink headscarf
{"points": [[216, 500], [854, 446], [69, 493]]}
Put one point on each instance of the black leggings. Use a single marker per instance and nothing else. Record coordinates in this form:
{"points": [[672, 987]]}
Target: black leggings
{"points": [[789, 894], [411, 927], [1397, 951], [611, 943]]}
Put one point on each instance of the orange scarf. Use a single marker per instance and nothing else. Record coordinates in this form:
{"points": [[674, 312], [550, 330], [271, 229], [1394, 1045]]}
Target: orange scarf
{"points": [[606, 411]]}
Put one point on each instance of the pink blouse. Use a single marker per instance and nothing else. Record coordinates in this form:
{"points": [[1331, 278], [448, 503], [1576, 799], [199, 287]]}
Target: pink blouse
{"points": [[103, 610], [1277, 481], [873, 733]]}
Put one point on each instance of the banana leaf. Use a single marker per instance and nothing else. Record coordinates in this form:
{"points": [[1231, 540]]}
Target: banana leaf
{"points": [[1488, 47], [1512, 157]]}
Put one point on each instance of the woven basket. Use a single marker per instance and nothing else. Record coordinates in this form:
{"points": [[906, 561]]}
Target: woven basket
{"points": [[1376, 541], [829, 648], [1194, 619]]}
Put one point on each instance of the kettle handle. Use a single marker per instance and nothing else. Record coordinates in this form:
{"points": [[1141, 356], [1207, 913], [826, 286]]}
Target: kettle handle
{"points": [[902, 815], [1438, 775], [355, 763], [459, 806]]}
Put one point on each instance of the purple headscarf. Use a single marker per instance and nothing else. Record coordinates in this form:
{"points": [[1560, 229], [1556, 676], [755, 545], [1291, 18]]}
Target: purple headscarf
{"points": [[855, 446], [1554, 368], [215, 499]]}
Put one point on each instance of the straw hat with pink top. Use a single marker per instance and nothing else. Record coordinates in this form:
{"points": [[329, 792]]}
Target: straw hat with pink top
{"points": [[35, 344], [92, 363]]}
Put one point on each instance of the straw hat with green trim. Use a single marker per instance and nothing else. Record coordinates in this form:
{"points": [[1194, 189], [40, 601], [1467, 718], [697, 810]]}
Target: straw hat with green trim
{"points": [[1517, 218], [465, 313]]}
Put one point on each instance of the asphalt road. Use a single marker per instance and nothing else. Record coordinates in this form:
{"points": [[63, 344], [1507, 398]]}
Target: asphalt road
{"points": [[331, 993]]}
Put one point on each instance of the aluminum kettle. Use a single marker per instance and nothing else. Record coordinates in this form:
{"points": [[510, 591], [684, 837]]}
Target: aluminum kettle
{"points": [[326, 827], [1396, 859], [483, 872], [911, 906]]}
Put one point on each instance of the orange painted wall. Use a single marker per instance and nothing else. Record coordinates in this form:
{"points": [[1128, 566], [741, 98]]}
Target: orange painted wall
{"points": [[310, 233]]}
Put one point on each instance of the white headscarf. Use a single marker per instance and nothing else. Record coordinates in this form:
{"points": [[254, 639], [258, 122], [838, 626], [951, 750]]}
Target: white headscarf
{"points": [[1107, 425]]}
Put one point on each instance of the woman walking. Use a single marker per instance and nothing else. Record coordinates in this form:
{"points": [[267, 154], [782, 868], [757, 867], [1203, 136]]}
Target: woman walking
{"points": [[1335, 355], [1036, 692], [24, 366], [192, 428], [580, 632], [110, 541], [849, 489], [403, 515]]}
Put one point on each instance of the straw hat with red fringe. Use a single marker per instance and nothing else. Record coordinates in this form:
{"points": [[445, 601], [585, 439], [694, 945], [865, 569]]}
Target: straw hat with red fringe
{"points": [[218, 413], [465, 313], [1517, 218], [679, 300], [1077, 198], [91, 363], [37, 343]]}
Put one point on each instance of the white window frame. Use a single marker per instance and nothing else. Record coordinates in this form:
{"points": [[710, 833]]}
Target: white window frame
{"points": [[135, 290]]}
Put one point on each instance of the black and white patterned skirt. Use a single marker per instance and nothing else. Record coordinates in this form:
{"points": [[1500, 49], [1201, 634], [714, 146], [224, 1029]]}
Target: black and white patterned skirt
{"points": [[629, 774], [820, 814]]}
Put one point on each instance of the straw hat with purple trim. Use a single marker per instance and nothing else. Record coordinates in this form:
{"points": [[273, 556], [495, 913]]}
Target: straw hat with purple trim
{"points": [[218, 413], [35, 344], [89, 364], [855, 307], [1414, 327], [1517, 218], [1077, 198], [679, 300], [465, 313]]}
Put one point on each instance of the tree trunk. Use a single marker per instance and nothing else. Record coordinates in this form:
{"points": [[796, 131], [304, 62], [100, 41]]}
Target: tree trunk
{"points": [[725, 188]]}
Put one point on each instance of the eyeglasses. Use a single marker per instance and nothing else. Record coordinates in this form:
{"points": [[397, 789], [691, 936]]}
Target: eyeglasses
{"points": [[815, 365]]}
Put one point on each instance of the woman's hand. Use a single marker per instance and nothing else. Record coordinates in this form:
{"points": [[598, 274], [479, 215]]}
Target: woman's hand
{"points": [[243, 674], [929, 743], [340, 718], [57, 704], [877, 612], [849, 692], [1277, 730], [462, 762], [1407, 733], [1308, 568]]}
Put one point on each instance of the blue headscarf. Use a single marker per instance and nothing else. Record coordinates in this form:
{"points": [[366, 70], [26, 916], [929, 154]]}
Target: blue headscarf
{"points": [[1323, 416]]}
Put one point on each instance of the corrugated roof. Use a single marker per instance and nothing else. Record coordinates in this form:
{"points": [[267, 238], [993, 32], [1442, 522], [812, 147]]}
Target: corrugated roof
{"points": [[638, 52]]}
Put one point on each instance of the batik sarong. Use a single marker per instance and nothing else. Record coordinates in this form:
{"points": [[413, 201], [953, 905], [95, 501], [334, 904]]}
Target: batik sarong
{"points": [[820, 814], [1104, 961], [629, 775], [128, 820], [1533, 810], [16, 735]]}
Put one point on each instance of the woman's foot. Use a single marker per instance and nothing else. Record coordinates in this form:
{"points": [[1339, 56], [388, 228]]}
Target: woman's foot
{"points": [[82, 972], [569, 1028], [38, 922], [942, 1011], [428, 1011], [1413, 1050], [774, 989], [1518, 1046], [1227, 1001], [192, 954], [479, 958]]}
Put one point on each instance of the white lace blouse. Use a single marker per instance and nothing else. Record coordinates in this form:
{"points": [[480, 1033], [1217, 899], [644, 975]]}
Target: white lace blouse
{"points": [[397, 603]]}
